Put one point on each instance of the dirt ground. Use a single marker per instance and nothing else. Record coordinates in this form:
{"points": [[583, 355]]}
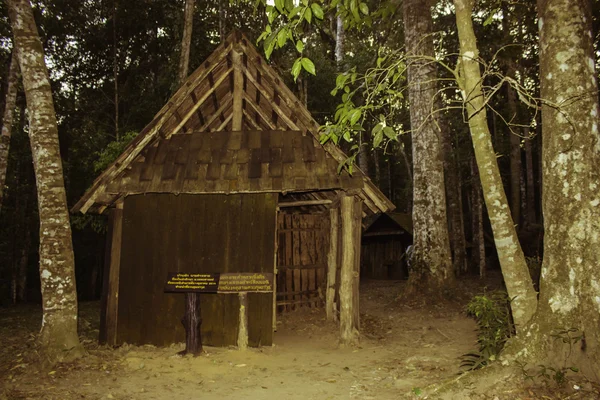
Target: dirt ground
{"points": [[404, 346]]}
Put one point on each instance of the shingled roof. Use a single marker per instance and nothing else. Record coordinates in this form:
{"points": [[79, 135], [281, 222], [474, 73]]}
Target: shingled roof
{"points": [[193, 146]]}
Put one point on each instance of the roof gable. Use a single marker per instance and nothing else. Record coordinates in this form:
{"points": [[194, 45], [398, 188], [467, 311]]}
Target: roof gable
{"points": [[233, 90]]}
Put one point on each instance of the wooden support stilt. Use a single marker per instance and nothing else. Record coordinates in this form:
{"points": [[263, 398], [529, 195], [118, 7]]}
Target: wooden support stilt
{"points": [[332, 263], [192, 323], [112, 291], [242, 341], [348, 275]]}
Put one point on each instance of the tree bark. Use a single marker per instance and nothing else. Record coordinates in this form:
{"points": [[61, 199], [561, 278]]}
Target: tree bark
{"points": [[116, 67], [57, 268], [7, 118], [432, 262], [530, 214], [512, 260], [478, 237], [570, 282], [186, 40], [515, 151], [453, 188]]}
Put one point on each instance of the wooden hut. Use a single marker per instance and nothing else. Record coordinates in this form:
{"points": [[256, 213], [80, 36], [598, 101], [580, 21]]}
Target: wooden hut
{"points": [[384, 241], [229, 176]]}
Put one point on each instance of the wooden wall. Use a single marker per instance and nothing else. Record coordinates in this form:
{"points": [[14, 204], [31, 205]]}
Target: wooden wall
{"points": [[303, 242], [382, 257], [193, 233]]}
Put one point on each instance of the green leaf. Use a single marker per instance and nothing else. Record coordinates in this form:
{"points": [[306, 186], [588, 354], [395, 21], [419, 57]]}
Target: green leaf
{"points": [[282, 37], [269, 47], [340, 81], [377, 129], [308, 65], [296, 68], [317, 10], [390, 133], [364, 8], [377, 139], [299, 46], [279, 4], [289, 5], [294, 12], [490, 19], [354, 9], [355, 116], [308, 14]]}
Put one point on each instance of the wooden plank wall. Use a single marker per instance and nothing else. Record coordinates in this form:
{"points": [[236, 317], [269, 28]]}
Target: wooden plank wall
{"points": [[301, 260], [383, 258], [194, 233]]}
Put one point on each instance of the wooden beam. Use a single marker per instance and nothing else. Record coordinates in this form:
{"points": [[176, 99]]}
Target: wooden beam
{"points": [[250, 121], [260, 112], [224, 104], [224, 123], [332, 262], [305, 203], [192, 110], [112, 299], [238, 90], [270, 98], [348, 278]]}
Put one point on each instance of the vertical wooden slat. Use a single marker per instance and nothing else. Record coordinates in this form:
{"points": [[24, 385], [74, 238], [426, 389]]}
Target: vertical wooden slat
{"points": [[289, 287], [112, 288], [112, 300], [332, 262], [296, 257], [304, 260]]}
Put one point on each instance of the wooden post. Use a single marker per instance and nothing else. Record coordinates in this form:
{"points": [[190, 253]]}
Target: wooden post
{"points": [[275, 271], [242, 341], [192, 322], [332, 262], [348, 276], [238, 91], [112, 299]]}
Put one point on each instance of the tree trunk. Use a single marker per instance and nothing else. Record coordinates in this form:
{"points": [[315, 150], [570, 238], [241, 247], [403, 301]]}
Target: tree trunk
{"points": [[570, 283], [512, 260], [478, 237], [7, 118], [186, 40], [116, 67], [432, 261], [453, 187], [222, 23], [57, 268], [530, 215], [515, 152]]}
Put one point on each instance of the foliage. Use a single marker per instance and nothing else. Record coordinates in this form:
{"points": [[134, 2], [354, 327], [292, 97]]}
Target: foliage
{"points": [[112, 151], [492, 314]]}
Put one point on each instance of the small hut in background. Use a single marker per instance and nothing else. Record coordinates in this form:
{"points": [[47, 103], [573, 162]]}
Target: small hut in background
{"points": [[230, 177], [385, 239]]}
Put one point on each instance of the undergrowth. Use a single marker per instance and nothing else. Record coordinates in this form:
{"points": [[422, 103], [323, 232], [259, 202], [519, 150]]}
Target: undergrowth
{"points": [[491, 311]]}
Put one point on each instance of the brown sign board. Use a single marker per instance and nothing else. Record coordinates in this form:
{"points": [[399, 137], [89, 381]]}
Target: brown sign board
{"points": [[219, 282]]}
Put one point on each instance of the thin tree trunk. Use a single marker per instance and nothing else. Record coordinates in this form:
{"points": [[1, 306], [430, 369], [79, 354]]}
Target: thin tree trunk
{"points": [[222, 23], [57, 267], [339, 42], [512, 260], [7, 119], [453, 187], [530, 215], [515, 151], [116, 68], [186, 40], [478, 255], [431, 261]]}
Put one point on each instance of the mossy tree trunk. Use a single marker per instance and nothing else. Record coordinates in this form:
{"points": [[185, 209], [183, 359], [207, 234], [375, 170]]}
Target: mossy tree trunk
{"points": [[57, 268], [512, 260], [570, 282], [432, 267]]}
